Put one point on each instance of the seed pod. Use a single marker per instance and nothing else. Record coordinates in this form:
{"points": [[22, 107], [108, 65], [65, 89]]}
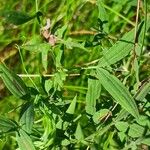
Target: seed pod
{"points": [[13, 82]]}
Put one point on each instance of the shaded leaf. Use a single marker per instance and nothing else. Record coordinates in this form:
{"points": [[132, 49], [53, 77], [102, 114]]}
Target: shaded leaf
{"points": [[7, 124], [18, 17], [27, 117], [14, 83], [118, 91], [102, 14]]}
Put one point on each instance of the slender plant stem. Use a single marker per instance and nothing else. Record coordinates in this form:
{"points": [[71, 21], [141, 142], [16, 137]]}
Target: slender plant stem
{"points": [[25, 68], [118, 14], [136, 28], [36, 5]]}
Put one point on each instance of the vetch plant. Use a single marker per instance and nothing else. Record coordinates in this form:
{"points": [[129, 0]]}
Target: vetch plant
{"points": [[78, 91]]}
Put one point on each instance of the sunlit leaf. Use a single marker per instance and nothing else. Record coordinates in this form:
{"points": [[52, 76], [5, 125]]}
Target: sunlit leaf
{"points": [[136, 131], [79, 133], [24, 141], [143, 91], [70, 44], [93, 93], [100, 115], [118, 91], [72, 106], [122, 126]]}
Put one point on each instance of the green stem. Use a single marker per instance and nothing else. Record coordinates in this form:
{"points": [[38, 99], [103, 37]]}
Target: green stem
{"points": [[118, 14], [22, 61]]}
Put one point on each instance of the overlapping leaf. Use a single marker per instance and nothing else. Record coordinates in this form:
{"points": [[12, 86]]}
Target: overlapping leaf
{"points": [[24, 141], [13, 82], [27, 117]]}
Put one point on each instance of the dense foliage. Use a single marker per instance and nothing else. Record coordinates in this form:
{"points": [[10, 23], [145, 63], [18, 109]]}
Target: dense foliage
{"points": [[74, 74]]}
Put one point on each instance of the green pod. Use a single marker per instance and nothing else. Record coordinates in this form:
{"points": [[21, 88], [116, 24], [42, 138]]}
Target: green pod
{"points": [[13, 82]]}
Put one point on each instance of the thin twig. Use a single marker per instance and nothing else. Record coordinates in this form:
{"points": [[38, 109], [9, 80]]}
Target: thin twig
{"points": [[45, 75], [25, 67], [136, 29]]}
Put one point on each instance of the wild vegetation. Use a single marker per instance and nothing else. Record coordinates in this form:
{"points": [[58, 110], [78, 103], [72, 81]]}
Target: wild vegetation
{"points": [[75, 74]]}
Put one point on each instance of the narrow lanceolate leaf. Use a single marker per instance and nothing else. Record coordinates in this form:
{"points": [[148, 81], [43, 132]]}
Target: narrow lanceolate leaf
{"points": [[17, 17], [120, 49], [102, 14], [24, 141], [143, 91], [118, 91], [7, 124], [13, 82], [93, 93], [27, 117]]}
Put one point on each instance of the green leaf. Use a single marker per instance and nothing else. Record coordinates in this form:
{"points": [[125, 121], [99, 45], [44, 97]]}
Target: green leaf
{"points": [[93, 93], [58, 58], [18, 17], [59, 78], [27, 117], [122, 136], [14, 83], [102, 14], [45, 59], [79, 133], [48, 85], [122, 126], [37, 47], [24, 141], [7, 124], [49, 131], [146, 141], [136, 130], [72, 106], [118, 91], [60, 31], [99, 115], [118, 51], [143, 91], [69, 43], [143, 121]]}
